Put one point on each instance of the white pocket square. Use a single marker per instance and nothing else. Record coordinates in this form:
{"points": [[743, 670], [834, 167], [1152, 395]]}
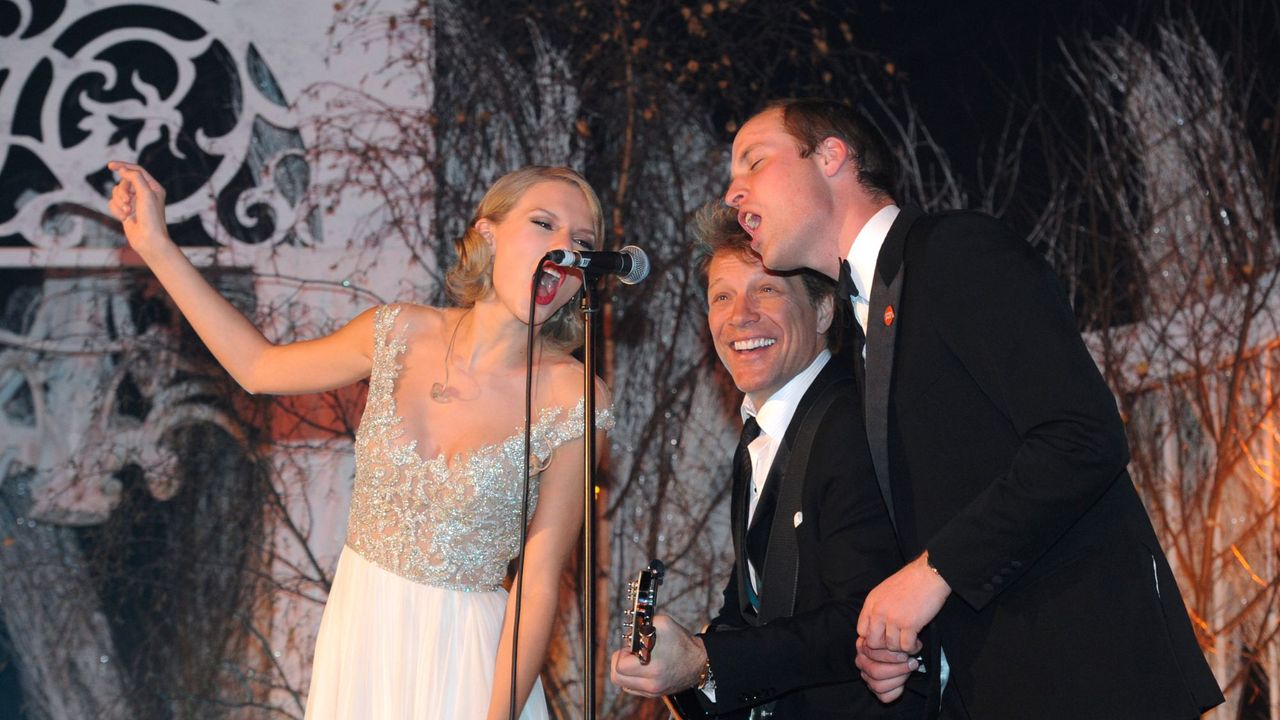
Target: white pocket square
{"points": [[799, 518]]}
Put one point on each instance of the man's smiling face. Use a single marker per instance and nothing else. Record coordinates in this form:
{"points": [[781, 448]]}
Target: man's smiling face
{"points": [[764, 326]]}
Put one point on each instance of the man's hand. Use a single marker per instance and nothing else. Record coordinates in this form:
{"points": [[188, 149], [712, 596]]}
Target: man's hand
{"points": [[897, 609], [677, 659], [884, 671]]}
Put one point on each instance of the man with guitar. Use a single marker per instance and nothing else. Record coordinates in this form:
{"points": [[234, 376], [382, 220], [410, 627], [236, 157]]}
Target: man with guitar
{"points": [[811, 533]]}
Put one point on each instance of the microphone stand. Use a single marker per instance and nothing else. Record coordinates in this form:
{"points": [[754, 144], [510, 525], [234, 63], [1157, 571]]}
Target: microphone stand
{"points": [[590, 306]]}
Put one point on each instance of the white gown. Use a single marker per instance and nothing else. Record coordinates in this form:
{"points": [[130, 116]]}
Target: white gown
{"points": [[414, 617]]}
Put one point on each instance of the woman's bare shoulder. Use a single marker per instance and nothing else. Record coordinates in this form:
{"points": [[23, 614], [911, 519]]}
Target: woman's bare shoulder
{"points": [[565, 373], [427, 320]]}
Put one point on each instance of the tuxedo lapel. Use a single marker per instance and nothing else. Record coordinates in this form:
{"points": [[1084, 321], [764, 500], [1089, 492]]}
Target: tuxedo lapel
{"points": [[771, 551], [882, 329]]}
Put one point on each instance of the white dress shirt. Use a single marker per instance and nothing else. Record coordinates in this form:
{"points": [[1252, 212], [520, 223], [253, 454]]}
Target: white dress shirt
{"points": [[774, 416], [862, 260]]}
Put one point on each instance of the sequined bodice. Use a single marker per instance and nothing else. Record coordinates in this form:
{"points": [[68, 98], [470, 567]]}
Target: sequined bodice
{"points": [[452, 523]]}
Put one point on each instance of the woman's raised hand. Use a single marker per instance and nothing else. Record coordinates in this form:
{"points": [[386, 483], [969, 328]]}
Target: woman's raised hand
{"points": [[137, 201]]}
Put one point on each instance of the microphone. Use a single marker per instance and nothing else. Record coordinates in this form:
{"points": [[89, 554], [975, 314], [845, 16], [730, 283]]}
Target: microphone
{"points": [[630, 263]]}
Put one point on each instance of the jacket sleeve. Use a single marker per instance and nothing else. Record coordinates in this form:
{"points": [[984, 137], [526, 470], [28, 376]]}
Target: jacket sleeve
{"points": [[1001, 310], [730, 615]]}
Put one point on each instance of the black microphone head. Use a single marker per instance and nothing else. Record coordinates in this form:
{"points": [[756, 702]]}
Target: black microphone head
{"points": [[639, 265]]}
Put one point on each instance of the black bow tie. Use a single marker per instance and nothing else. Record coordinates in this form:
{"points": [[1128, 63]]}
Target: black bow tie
{"points": [[844, 284]]}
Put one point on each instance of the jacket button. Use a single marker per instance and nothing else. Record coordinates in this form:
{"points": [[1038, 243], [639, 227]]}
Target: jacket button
{"points": [[1015, 564], [997, 580], [988, 587]]}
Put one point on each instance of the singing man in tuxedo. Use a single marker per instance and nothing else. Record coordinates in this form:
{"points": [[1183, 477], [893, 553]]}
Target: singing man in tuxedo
{"points": [[997, 444], [811, 533]]}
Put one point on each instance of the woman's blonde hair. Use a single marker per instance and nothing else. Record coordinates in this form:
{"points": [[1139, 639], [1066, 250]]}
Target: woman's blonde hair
{"points": [[471, 277]]}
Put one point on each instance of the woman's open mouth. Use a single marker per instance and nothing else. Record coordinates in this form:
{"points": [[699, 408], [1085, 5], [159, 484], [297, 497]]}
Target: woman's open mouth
{"points": [[549, 284]]}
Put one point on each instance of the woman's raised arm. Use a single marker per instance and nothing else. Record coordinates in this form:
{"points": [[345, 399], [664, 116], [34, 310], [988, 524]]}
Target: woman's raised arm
{"points": [[255, 362]]}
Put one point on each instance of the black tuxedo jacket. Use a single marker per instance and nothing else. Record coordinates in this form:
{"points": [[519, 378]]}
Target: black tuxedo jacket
{"points": [[1004, 456], [803, 656]]}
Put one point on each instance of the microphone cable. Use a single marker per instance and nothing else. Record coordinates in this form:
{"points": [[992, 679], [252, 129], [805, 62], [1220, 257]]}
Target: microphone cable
{"points": [[524, 502]]}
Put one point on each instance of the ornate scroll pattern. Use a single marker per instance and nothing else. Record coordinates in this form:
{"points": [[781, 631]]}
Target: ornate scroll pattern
{"points": [[185, 93], [79, 406], [94, 397]]}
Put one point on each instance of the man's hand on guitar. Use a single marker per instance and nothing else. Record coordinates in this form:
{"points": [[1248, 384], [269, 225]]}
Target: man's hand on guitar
{"points": [[675, 663]]}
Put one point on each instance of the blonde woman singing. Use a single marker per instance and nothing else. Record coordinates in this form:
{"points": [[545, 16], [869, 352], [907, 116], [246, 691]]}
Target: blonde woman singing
{"points": [[417, 622]]}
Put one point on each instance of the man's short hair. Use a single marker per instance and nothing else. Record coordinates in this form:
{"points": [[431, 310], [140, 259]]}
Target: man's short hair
{"points": [[812, 120], [717, 231]]}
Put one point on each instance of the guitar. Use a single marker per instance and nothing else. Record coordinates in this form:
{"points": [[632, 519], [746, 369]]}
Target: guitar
{"points": [[639, 637], [642, 594]]}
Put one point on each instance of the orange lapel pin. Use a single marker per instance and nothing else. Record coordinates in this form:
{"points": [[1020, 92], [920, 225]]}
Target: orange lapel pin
{"points": [[888, 316]]}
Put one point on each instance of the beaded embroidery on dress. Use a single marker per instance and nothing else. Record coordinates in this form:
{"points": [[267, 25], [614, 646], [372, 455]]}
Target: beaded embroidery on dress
{"points": [[413, 620]]}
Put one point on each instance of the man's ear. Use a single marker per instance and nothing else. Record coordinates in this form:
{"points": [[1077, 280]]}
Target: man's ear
{"points": [[834, 153], [826, 313], [485, 228]]}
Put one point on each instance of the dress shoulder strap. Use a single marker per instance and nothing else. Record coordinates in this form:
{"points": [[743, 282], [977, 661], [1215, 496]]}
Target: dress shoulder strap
{"points": [[384, 320], [556, 426], [388, 345]]}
